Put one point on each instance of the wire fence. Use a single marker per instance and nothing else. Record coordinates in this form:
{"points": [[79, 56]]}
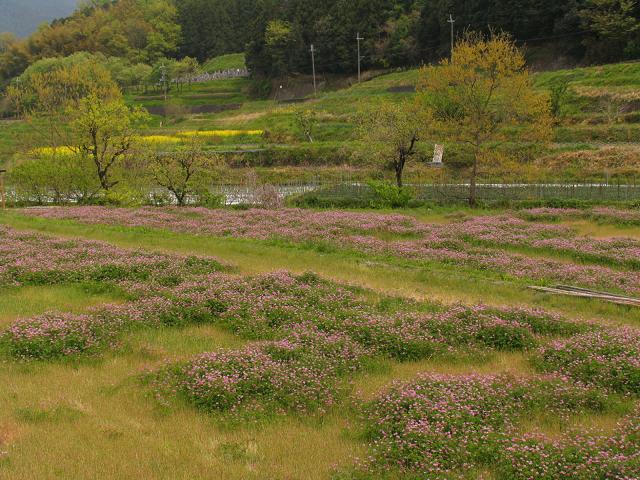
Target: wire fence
{"points": [[495, 191], [343, 191], [449, 191]]}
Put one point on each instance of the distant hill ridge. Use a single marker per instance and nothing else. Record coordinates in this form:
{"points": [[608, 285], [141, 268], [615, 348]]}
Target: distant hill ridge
{"points": [[22, 17]]}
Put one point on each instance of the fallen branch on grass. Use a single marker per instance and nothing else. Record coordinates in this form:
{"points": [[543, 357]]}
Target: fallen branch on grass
{"points": [[585, 293]]}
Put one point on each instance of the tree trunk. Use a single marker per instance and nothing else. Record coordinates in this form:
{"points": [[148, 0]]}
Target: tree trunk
{"points": [[472, 183], [398, 178], [399, 168]]}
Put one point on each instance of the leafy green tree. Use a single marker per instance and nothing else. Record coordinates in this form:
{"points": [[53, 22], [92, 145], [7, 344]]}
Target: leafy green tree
{"points": [[48, 95], [142, 31], [389, 132], [306, 121], [7, 40], [105, 132], [50, 86], [616, 24], [183, 70], [139, 75], [481, 96], [215, 27], [183, 172], [611, 18], [279, 40]]}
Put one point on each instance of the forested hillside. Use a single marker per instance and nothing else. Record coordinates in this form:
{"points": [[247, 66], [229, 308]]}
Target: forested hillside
{"points": [[138, 30], [276, 34]]}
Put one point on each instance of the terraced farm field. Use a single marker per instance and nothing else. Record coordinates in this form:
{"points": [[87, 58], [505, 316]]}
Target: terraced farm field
{"points": [[300, 344]]}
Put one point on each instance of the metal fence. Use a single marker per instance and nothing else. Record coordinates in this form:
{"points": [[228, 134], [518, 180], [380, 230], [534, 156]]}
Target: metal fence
{"points": [[448, 191], [492, 191], [443, 191]]}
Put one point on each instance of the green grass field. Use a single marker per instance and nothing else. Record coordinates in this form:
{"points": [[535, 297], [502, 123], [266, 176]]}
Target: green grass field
{"points": [[225, 62]]}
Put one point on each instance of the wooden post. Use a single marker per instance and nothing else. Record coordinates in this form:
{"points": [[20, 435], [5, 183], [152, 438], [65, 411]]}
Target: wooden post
{"points": [[2, 192]]}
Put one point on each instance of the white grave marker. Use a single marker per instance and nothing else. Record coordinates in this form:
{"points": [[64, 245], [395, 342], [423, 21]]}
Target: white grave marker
{"points": [[438, 153]]}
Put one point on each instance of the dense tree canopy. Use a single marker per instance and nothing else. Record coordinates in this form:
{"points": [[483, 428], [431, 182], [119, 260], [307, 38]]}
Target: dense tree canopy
{"points": [[138, 30], [276, 34], [410, 32]]}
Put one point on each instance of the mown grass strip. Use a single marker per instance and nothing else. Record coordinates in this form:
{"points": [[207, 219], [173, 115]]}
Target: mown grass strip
{"points": [[29, 301]]}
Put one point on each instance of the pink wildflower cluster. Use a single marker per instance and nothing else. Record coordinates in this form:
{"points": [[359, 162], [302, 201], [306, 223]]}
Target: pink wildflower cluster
{"points": [[270, 307], [550, 214], [476, 243], [267, 307], [615, 216], [578, 456], [55, 335], [299, 373], [27, 258], [441, 426], [606, 358], [513, 231]]}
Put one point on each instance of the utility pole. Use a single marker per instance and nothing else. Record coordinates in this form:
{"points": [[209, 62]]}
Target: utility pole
{"points": [[451, 21], [359, 39], [313, 65], [163, 80], [3, 195], [19, 99]]}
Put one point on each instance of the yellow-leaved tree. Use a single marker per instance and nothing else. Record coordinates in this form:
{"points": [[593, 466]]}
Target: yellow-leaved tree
{"points": [[482, 96]]}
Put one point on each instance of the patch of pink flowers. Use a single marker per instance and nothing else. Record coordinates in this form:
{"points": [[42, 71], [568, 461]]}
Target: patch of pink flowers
{"points": [[607, 358], [578, 456], [269, 306], [608, 215], [55, 335], [299, 373], [513, 231], [28, 258], [444, 426], [476, 243]]}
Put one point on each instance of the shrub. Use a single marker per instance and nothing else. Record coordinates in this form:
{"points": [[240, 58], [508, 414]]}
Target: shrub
{"points": [[61, 177], [582, 457], [60, 335], [389, 195]]}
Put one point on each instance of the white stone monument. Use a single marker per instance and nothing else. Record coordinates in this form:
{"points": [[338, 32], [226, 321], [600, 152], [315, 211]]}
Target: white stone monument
{"points": [[438, 154]]}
